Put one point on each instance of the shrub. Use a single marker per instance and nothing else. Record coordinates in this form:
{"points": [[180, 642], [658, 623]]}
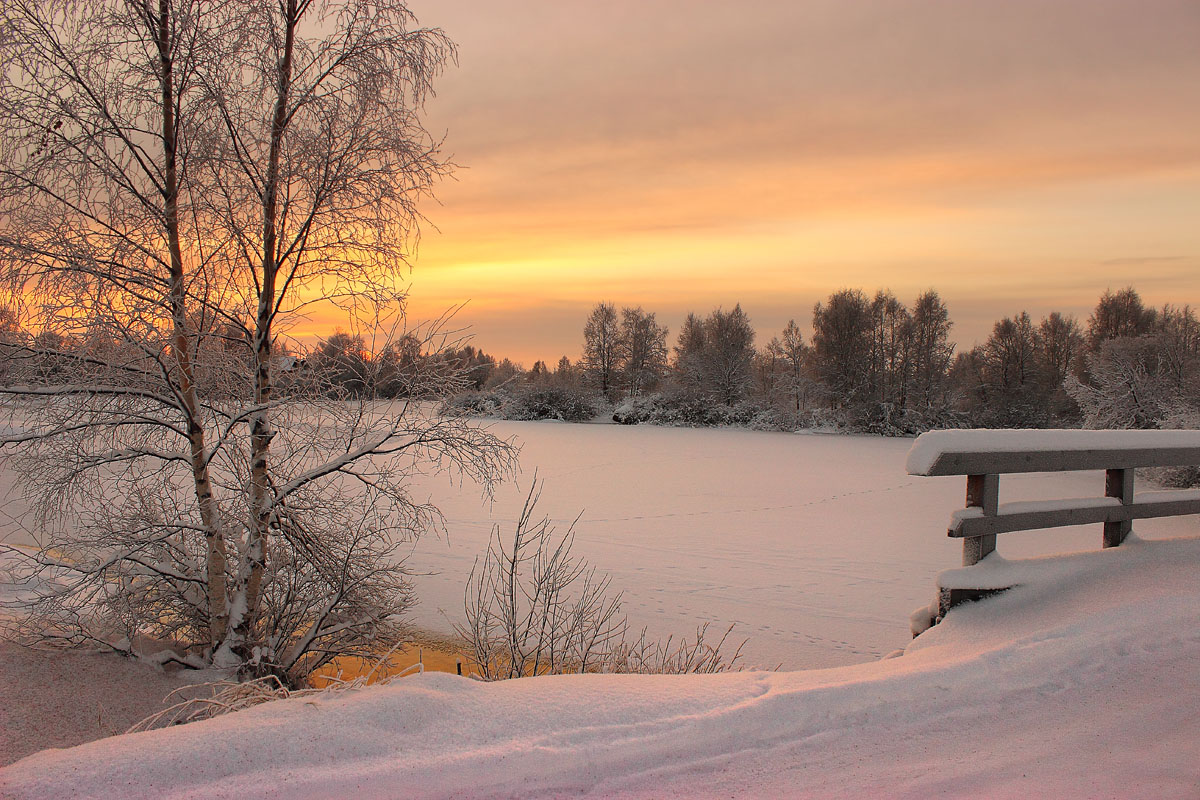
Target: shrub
{"points": [[549, 402], [688, 410], [535, 402], [533, 608]]}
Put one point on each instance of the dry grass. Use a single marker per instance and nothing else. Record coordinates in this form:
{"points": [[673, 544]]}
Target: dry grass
{"points": [[427, 653]]}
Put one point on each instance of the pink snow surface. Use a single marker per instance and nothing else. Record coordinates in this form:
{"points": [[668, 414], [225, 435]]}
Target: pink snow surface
{"points": [[1081, 682]]}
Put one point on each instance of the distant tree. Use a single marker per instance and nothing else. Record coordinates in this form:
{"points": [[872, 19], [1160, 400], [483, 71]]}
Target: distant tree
{"points": [[642, 350], [10, 329], [728, 355], [1018, 377], [1060, 345], [1124, 387], [342, 360], [1144, 381], [475, 365], [398, 370], [1119, 314], [890, 352], [998, 380], [932, 350], [795, 355], [601, 354], [566, 374], [769, 372], [1178, 332], [11, 336], [504, 374], [689, 354], [538, 373], [1008, 354], [841, 339]]}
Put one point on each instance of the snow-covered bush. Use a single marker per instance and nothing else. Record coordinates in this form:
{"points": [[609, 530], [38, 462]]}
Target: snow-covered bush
{"points": [[1126, 388], [529, 402], [1149, 381], [475, 404], [549, 402], [690, 410], [1177, 477]]}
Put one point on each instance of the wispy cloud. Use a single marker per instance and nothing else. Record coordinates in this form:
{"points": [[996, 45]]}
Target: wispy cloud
{"points": [[682, 149]]}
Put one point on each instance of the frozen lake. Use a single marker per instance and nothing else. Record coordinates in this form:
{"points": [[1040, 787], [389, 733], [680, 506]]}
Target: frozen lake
{"points": [[817, 546]]}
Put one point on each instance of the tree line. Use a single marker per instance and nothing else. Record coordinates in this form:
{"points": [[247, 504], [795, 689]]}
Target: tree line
{"points": [[871, 363]]}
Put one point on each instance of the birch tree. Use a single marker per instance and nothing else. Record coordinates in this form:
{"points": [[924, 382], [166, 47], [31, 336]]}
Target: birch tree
{"points": [[183, 179], [642, 350], [601, 352]]}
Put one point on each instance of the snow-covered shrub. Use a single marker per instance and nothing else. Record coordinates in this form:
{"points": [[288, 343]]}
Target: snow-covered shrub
{"points": [[691, 410], [1137, 383], [1177, 477], [884, 419], [531, 402], [549, 402], [920, 420], [475, 404]]}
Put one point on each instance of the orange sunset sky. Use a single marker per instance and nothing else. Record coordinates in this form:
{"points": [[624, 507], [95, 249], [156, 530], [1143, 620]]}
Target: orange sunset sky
{"points": [[680, 155]]}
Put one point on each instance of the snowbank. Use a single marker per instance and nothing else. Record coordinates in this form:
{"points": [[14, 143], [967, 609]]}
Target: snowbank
{"points": [[1081, 682]]}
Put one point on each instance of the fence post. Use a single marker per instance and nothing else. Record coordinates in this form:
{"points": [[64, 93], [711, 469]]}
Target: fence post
{"points": [[1118, 483], [983, 491]]}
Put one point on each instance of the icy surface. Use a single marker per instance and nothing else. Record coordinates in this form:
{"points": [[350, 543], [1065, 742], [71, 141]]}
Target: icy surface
{"points": [[1081, 682], [817, 546], [930, 445]]}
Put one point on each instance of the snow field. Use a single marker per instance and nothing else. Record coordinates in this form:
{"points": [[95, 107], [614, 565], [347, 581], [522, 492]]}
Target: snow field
{"points": [[817, 546], [1079, 683]]}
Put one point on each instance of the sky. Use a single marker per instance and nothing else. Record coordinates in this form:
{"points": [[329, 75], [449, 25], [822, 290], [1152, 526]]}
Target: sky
{"points": [[1012, 154]]}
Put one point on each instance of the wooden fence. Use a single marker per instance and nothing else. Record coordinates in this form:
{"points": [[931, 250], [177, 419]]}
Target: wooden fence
{"points": [[983, 456]]}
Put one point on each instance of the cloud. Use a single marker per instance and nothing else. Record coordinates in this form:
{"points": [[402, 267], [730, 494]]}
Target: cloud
{"points": [[694, 151]]}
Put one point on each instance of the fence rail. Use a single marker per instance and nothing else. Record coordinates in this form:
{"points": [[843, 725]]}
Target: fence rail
{"points": [[983, 456]]}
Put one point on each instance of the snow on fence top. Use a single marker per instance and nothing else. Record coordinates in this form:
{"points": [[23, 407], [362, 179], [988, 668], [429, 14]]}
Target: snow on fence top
{"points": [[978, 452]]}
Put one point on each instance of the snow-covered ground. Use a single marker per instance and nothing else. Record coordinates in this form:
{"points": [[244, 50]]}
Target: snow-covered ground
{"points": [[817, 546], [1081, 682]]}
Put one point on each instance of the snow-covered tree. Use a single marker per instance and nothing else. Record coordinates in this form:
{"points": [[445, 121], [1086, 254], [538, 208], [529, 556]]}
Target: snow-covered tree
{"points": [[728, 355], [932, 350], [689, 354], [179, 180], [642, 349], [1119, 314], [891, 334], [795, 355], [841, 343], [601, 349], [714, 356]]}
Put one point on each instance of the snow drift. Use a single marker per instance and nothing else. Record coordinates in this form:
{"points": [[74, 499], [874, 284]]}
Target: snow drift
{"points": [[1081, 682]]}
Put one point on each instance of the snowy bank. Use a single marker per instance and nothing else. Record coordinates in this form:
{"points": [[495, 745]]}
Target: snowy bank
{"points": [[1080, 682]]}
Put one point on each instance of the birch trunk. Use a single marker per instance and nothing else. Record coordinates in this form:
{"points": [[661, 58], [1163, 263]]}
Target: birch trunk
{"points": [[216, 556], [261, 434]]}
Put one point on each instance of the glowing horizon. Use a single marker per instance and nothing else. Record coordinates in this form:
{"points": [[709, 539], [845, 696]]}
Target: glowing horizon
{"points": [[1014, 155]]}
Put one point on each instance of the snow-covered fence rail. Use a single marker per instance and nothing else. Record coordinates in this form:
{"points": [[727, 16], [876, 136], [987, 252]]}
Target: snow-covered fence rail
{"points": [[984, 455]]}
